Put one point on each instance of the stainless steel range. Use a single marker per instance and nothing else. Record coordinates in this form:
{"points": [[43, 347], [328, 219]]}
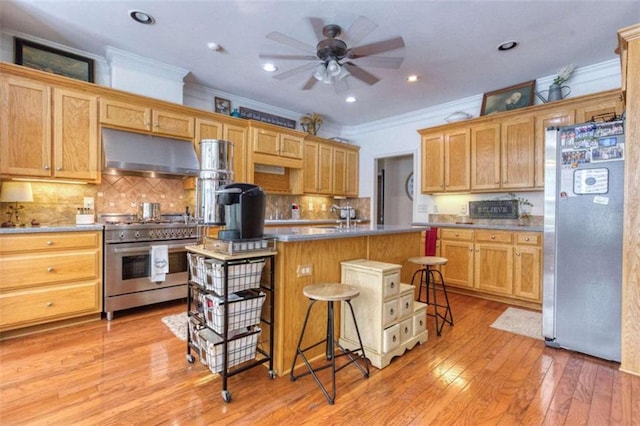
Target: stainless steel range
{"points": [[129, 279]]}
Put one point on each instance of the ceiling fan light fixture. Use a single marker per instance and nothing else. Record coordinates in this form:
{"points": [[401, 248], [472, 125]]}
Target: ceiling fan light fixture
{"points": [[333, 68], [320, 72], [343, 73]]}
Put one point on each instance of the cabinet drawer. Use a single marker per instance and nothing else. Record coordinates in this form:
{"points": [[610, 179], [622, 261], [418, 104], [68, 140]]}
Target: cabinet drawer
{"points": [[528, 238], [419, 318], [389, 312], [41, 269], [491, 236], [391, 285], [35, 306], [391, 338], [406, 301], [456, 234], [406, 330], [35, 242]]}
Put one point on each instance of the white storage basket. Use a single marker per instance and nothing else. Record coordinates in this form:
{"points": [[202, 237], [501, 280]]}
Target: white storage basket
{"points": [[245, 308], [210, 274], [240, 349]]}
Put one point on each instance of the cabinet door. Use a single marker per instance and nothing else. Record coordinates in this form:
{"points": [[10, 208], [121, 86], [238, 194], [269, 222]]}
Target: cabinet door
{"points": [[352, 173], [291, 146], [432, 163], [325, 169], [517, 159], [25, 128], [543, 121], [526, 278], [493, 268], [265, 141], [75, 139], [600, 109], [172, 124], [459, 269], [207, 129], [485, 157], [457, 156], [238, 135], [311, 159], [122, 114], [339, 171]]}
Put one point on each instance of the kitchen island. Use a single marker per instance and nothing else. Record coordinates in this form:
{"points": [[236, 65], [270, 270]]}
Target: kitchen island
{"points": [[308, 255]]}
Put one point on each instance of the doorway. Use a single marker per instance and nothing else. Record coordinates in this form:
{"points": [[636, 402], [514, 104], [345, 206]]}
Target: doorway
{"points": [[394, 193]]}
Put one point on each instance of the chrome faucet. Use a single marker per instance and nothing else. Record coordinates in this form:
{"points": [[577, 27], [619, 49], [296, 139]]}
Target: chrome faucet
{"points": [[348, 215]]}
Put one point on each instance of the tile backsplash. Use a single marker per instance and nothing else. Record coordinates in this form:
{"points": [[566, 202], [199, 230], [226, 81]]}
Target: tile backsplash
{"points": [[58, 202]]}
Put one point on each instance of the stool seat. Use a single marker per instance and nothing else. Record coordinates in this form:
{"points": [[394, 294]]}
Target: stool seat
{"points": [[329, 292], [428, 260]]}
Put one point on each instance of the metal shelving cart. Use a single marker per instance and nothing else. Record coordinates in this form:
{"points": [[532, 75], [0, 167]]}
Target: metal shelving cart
{"points": [[230, 306]]}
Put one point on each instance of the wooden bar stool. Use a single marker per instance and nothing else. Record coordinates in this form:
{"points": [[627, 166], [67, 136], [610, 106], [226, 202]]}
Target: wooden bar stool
{"points": [[330, 293], [427, 279]]}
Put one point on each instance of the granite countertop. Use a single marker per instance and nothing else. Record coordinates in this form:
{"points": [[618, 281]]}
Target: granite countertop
{"points": [[308, 222], [51, 228], [501, 227], [288, 234]]}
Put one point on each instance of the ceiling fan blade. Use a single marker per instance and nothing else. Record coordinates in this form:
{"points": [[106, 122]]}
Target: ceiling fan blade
{"points": [[292, 42], [360, 28], [318, 25], [378, 61], [361, 74], [296, 70], [310, 83], [288, 57], [377, 47]]}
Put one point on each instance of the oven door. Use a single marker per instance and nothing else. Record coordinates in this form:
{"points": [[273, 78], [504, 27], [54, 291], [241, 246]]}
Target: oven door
{"points": [[128, 266]]}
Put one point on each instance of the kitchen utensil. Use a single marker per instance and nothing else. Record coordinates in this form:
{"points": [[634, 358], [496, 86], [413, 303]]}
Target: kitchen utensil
{"points": [[149, 211]]}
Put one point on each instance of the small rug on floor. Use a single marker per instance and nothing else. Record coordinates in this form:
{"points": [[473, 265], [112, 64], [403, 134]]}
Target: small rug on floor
{"points": [[177, 324], [520, 321]]}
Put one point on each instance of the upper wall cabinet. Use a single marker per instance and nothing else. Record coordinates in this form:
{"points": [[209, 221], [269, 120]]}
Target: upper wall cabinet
{"points": [[445, 160], [133, 116], [345, 171], [277, 142], [318, 167], [506, 151], [48, 132], [234, 132]]}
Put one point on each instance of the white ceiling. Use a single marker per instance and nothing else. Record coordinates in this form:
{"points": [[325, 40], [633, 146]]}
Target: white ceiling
{"points": [[451, 45]]}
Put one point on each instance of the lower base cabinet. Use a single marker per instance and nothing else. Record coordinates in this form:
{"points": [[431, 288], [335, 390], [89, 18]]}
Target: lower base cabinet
{"points": [[389, 320]]}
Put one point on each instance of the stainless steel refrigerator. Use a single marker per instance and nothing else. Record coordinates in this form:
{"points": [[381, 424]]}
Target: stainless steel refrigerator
{"points": [[583, 209]]}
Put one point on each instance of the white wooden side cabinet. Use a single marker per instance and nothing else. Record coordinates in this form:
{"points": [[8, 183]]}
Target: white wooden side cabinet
{"points": [[389, 320]]}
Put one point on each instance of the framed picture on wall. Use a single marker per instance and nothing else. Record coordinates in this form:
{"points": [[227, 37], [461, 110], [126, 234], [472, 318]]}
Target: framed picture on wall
{"points": [[223, 106], [45, 58], [509, 98]]}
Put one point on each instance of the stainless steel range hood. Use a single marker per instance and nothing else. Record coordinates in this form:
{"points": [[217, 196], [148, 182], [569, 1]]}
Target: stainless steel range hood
{"points": [[127, 153]]}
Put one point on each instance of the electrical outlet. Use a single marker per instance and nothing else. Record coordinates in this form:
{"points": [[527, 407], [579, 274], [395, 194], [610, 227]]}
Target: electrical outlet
{"points": [[89, 203], [324, 207], [310, 206], [304, 270], [463, 209]]}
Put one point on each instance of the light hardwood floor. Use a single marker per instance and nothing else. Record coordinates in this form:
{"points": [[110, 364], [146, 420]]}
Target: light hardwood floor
{"points": [[132, 370]]}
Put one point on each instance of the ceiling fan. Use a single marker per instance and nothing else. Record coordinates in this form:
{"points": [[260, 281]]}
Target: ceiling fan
{"points": [[333, 60]]}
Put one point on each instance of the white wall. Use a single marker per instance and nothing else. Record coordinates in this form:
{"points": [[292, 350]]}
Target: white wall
{"points": [[398, 135]]}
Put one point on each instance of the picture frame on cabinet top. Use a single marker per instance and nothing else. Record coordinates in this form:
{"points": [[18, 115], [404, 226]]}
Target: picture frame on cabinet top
{"points": [[223, 106], [508, 99], [46, 58]]}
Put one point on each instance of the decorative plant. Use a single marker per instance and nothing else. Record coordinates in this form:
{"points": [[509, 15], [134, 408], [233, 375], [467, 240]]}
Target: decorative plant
{"points": [[311, 123], [564, 74], [524, 206]]}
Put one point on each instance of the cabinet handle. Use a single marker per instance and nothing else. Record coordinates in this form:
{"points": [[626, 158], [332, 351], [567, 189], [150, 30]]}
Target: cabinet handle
{"points": [[421, 323], [49, 269], [457, 235], [156, 125], [59, 168], [517, 254], [493, 237], [393, 285], [49, 243], [394, 338], [49, 304], [497, 182], [406, 305], [526, 239], [406, 330], [46, 167]]}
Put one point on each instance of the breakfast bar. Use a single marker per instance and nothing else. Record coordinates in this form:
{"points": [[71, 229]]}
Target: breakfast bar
{"points": [[308, 255]]}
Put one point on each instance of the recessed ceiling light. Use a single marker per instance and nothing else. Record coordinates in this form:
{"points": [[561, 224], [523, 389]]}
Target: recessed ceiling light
{"points": [[350, 99], [507, 45], [214, 46], [142, 17], [269, 67], [413, 78]]}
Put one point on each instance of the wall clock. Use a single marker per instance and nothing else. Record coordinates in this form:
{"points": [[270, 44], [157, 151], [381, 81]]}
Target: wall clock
{"points": [[409, 186]]}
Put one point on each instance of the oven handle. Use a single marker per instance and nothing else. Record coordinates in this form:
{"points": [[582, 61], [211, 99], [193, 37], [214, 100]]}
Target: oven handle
{"points": [[138, 249]]}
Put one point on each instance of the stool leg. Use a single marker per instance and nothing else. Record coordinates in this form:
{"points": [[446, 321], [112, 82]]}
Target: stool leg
{"points": [[446, 297], [431, 280], [298, 350]]}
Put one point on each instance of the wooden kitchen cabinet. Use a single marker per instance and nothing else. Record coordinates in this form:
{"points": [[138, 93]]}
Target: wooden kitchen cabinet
{"points": [[517, 152], [389, 320], [445, 160], [345, 172], [47, 278], [552, 118], [132, 116], [236, 133], [352, 172], [500, 265], [275, 142], [48, 132], [485, 157], [318, 167]]}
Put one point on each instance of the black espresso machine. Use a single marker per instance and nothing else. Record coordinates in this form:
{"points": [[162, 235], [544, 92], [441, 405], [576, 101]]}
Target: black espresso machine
{"points": [[244, 211]]}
